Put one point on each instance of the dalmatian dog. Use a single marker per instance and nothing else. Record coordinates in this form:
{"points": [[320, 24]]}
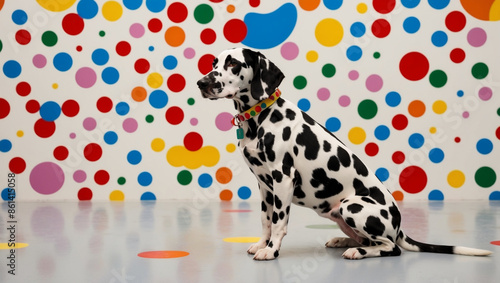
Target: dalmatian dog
{"points": [[296, 160]]}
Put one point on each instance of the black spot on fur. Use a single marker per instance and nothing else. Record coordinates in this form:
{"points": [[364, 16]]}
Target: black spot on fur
{"points": [[359, 166], [325, 207], [277, 202], [270, 198], [275, 217], [277, 176], [251, 160], [286, 133], [282, 215], [333, 163], [268, 144], [297, 186], [396, 251], [374, 226], [330, 188], [396, 216], [263, 115], [290, 114], [349, 221], [354, 208], [276, 116], [308, 119], [344, 157], [361, 251], [368, 200], [309, 140], [295, 150], [287, 164], [263, 206], [360, 188], [384, 213], [377, 195], [327, 146], [287, 210], [276, 254], [270, 244]]}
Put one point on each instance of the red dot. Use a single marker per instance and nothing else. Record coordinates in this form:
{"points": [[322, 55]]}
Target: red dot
{"points": [[400, 122], [177, 12], [193, 141], [70, 108], [155, 25], [61, 153], [384, 6], [32, 106], [398, 157], [85, 194], [254, 3], [235, 30], [381, 28], [23, 88], [44, 129], [176, 82], [174, 115], [101, 177], [455, 21], [413, 179], [17, 165], [458, 140], [123, 48], [92, 152], [104, 104], [73, 24], [141, 66], [208, 36], [371, 149], [414, 66], [457, 55], [79, 48], [23, 37], [205, 63], [497, 133], [4, 108]]}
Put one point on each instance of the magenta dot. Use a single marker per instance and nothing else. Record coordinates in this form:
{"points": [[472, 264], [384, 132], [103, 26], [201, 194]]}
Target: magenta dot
{"points": [[194, 121], [344, 101], [79, 176], [223, 121], [39, 61], [466, 114], [485, 93], [353, 75], [130, 125], [47, 178], [189, 53], [374, 83], [89, 124], [85, 77], [476, 37], [323, 94], [289, 51], [137, 30], [72, 136]]}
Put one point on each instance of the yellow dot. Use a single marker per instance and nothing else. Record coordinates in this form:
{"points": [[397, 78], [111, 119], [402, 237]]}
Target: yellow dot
{"points": [[155, 80], [116, 195], [231, 147], [362, 8], [439, 107], [20, 133], [56, 5], [329, 32], [312, 56], [433, 130], [456, 178], [55, 86], [112, 11], [242, 240], [357, 135], [158, 144]]}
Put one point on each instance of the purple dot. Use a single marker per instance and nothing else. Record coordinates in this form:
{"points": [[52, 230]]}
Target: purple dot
{"points": [[39, 61], [137, 30], [223, 121], [79, 176], [476, 37], [194, 121], [130, 125], [485, 93], [466, 114], [47, 178], [353, 75], [323, 94], [189, 53], [289, 51], [89, 124], [374, 83], [85, 77], [344, 101]]}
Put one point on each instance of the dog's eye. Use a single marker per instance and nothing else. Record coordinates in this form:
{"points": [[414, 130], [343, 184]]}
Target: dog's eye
{"points": [[232, 64]]}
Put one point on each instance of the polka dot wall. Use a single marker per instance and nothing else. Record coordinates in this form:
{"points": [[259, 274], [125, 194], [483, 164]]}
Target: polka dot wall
{"points": [[99, 98]]}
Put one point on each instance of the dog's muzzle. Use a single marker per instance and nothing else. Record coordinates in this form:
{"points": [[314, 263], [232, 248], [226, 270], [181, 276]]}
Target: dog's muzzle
{"points": [[207, 84]]}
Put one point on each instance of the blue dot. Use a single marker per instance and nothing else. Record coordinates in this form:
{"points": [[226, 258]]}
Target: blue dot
{"points": [[19, 17], [170, 62], [63, 62], [158, 99], [393, 99], [110, 75], [358, 29], [439, 38], [134, 157], [122, 108], [205, 180], [156, 6], [382, 132], [436, 155], [145, 179], [333, 124], [148, 196], [495, 195], [244, 192], [304, 104], [110, 137], [354, 53], [460, 93], [416, 140], [438, 4], [50, 111], [132, 4], [5, 145], [436, 195], [8, 196], [87, 9], [382, 174], [12, 69], [332, 4], [410, 4], [484, 146], [411, 25], [151, 48], [100, 56]]}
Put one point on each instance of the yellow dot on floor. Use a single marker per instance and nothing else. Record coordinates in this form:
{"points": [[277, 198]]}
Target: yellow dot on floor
{"points": [[242, 240], [8, 246]]}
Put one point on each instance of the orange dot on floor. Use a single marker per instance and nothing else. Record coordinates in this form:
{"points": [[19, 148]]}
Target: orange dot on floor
{"points": [[496, 243], [163, 254]]}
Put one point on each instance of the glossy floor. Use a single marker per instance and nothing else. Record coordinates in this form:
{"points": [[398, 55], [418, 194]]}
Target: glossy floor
{"points": [[101, 242]]}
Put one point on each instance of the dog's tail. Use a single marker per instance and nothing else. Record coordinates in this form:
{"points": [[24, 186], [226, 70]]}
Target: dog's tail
{"points": [[409, 244]]}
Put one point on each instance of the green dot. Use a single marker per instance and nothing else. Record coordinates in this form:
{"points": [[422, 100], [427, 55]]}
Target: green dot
{"points": [[367, 109], [102, 33], [485, 177], [328, 70], [376, 55], [203, 13], [498, 111], [299, 82], [184, 177], [480, 71], [438, 78], [121, 181], [49, 38], [150, 118], [191, 101], [1, 46]]}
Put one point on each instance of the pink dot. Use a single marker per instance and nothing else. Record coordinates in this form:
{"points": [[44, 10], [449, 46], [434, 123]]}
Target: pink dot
{"points": [[344, 101], [476, 37], [189, 53], [89, 124], [194, 121], [130, 125], [466, 114], [47, 178], [374, 83], [289, 50], [72, 136], [85, 77], [485, 93], [323, 94], [79, 176], [39, 61], [137, 30], [223, 121], [353, 75]]}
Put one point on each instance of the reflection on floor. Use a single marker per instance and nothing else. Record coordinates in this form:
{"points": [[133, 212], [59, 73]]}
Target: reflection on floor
{"points": [[207, 242]]}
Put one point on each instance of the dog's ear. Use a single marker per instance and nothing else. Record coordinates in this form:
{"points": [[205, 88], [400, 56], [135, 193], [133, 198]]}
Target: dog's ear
{"points": [[266, 76]]}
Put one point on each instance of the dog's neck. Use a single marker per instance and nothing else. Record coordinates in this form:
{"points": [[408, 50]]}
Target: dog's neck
{"points": [[258, 107]]}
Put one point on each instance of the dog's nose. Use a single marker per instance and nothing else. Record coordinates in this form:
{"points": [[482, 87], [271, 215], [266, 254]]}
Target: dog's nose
{"points": [[203, 83]]}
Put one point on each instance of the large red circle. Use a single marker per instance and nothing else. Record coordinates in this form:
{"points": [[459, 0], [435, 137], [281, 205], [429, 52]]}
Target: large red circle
{"points": [[23, 89], [44, 129], [235, 30], [61, 153], [413, 179], [400, 122], [141, 66], [123, 48], [176, 82], [17, 165], [4, 108], [101, 177], [455, 21], [92, 152], [384, 6], [23, 37], [177, 12], [104, 104], [457, 55], [70, 108], [205, 63], [208, 36], [414, 66], [371, 149], [174, 115], [73, 24], [398, 157], [193, 141], [381, 28], [85, 194], [155, 25], [32, 106]]}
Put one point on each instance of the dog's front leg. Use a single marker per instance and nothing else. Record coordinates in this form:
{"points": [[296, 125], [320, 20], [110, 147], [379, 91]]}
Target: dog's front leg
{"points": [[267, 198]]}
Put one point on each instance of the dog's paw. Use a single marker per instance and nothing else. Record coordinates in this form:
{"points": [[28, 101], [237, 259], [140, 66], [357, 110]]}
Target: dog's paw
{"points": [[255, 247], [352, 253], [341, 243], [266, 254]]}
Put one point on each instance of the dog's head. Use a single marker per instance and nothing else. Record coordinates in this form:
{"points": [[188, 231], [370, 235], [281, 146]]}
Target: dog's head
{"points": [[243, 75]]}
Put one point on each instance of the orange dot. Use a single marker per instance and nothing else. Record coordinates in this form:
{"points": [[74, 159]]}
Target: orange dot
{"points": [[175, 36], [163, 254], [231, 8], [139, 94], [398, 195], [309, 5], [223, 175], [416, 108], [226, 195]]}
